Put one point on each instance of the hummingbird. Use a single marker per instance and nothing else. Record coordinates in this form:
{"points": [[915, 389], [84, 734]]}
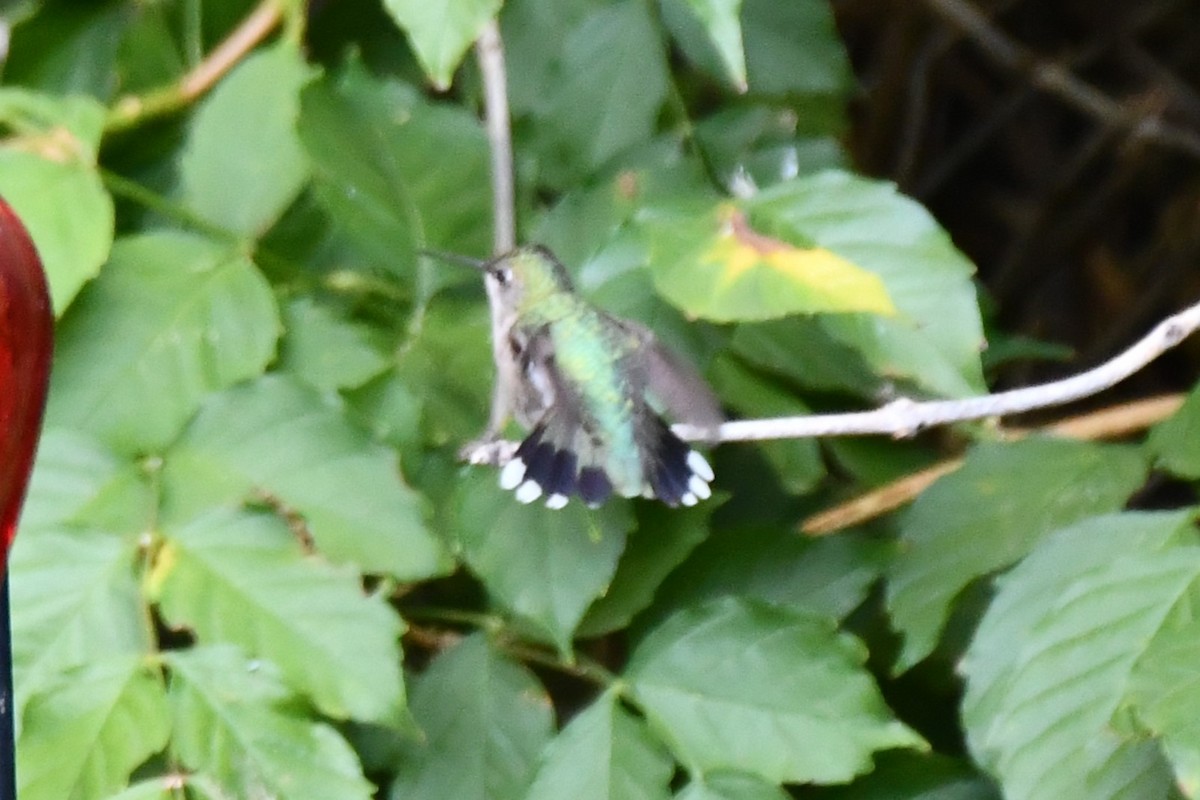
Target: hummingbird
{"points": [[587, 387]]}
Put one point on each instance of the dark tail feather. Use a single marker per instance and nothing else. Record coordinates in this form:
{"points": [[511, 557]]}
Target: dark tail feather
{"points": [[675, 473]]}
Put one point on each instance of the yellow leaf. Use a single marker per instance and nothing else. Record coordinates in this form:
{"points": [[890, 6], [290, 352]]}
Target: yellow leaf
{"points": [[835, 283]]}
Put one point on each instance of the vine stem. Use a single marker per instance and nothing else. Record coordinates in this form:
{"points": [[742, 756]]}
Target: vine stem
{"points": [[132, 110], [489, 49]]}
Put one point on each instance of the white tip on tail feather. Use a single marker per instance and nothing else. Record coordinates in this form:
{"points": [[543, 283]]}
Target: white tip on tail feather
{"points": [[528, 491], [512, 474], [556, 501], [700, 466]]}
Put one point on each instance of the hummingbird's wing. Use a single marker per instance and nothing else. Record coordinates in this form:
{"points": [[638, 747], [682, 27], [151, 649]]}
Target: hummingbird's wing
{"points": [[674, 382], [568, 452]]}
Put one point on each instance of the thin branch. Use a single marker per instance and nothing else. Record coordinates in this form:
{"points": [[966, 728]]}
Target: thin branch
{"points": [[1108, 423], [133, 110], [903, 418], [1060, 82], [489, 49]]}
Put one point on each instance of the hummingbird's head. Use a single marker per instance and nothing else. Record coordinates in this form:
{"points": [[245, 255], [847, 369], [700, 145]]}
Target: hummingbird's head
{"points": [[528, 274]]}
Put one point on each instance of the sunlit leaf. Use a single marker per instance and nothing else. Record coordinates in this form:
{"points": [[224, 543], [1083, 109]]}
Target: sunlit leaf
{"points": [[991, 512], [326, 351], [243, 579], [231, 722], [441, 32], [1050, 666], [172, 317], [731, 786], [48, 174], [279, 441], [243, 164], [484, 719], [84, 734], [718, 267], [75, 601], [77, 482], [739, 685]]}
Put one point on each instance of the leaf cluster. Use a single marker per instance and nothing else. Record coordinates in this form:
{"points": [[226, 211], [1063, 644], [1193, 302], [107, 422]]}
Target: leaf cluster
{"points": [[250, 564]]}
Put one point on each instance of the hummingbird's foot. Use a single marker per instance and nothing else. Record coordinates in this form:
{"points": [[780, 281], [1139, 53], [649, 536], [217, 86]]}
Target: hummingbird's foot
{"points": [[488, 451]]}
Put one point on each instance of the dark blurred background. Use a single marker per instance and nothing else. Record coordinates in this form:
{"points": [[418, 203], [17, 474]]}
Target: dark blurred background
{"points": [[1059, 143]]}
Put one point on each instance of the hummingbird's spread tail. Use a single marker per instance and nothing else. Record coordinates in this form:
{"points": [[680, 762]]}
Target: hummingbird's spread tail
{"points": [[671, 471]]}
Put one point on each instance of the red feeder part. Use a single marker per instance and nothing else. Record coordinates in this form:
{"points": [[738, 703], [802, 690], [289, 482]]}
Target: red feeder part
{"points": [[26, 348]]}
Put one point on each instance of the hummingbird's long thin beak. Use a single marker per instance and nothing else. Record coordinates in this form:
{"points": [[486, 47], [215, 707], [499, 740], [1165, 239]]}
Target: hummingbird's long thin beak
{"points": [[456, 258]]}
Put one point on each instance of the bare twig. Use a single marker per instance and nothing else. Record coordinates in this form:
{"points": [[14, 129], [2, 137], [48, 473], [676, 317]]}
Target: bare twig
{"points": [[1050, 77], [904, 417], [133, 110], [1107, 423], [489, 49]]}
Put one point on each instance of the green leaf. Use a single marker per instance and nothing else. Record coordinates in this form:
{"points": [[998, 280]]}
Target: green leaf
{"points": [[721, 21], [325, 350], [231, 722], [917, 776], [1164, 691], [544, 565], [378, 153], [606, 96], [937, 336], [830, 242], [172, 317], [154, 789], [77, 482], [485, 720], [731, 786], [793, 48], [535, 39], [244, 579], [738, 685], [441, 32], [49, 176], [1051, 663], [715, 266], [450, 359], [829, 576], [1173, 441], [663, 539], [797, 462], [605, 752], [75, 601], [988, 515], [85, 733], [279, 438], [243, 164], [68, 48], [802, 351]]}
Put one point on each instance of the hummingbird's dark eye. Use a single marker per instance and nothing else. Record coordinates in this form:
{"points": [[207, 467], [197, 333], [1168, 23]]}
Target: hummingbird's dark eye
{"points": [[503, 276]]}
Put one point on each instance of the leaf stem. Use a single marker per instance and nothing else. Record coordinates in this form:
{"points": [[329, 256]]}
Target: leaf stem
{"points": [[121, 186]]}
